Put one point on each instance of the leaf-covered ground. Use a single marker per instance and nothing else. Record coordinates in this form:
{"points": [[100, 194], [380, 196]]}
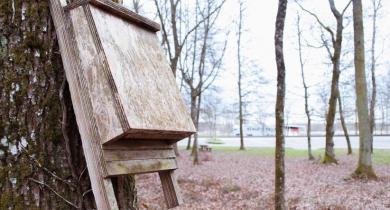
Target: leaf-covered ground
{"points": [[245, 181]]}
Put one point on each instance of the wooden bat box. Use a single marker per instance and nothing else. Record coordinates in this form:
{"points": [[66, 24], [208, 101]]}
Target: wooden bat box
{"points": [[129, 81], [127, 104]]}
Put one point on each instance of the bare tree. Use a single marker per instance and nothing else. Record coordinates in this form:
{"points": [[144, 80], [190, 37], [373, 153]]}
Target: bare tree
{"points": [[302, 64], [336, 40], [136, 5], [364, 168], [178, 25], [202, 59], [279, 107], [377, 5], [239, 60], [344, 125]]}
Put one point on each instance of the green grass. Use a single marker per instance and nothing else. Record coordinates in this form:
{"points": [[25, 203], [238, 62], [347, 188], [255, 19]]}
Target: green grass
{"points": [[215, 141], [381, 156]]}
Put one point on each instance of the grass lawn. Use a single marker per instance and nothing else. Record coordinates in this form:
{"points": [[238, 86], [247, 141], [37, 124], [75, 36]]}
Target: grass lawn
{"points": [[380, 156]]}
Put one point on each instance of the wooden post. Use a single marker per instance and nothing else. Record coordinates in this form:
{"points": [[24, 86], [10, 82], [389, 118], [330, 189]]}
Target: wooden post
{"points": [[102, 187], [170, 188]]}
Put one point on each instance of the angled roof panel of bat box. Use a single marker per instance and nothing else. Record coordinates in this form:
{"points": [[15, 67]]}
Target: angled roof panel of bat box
{"points": [[130, 83]]}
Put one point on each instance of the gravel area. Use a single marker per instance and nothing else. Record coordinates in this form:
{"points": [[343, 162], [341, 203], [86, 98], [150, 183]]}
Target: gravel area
{"points": [[244, 181]]}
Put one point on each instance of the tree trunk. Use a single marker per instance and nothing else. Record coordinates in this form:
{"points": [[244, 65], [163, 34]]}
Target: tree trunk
{"points": [[377, 5], [307, 111], [329, 156], [240, 104], [195, 146], [344, 125], [279, 107], [364, 168], [193, 117], [189, 143], [42, 165]]}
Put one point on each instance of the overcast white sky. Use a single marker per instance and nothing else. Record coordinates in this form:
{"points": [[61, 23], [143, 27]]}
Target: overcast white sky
{"points": [[258, 47]]}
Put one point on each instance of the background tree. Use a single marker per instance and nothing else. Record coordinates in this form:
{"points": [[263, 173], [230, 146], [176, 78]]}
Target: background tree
{"points": [[336, 40], [306, 95], [180, 21], [239, 60], [364, 168], [344, 124], [279, 107], [377, 5], [42, 165]]}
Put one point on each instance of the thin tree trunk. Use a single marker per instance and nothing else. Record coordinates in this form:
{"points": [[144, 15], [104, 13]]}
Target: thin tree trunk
{"points": [[194, 118], [240, 103], [307, 111], [195, 146], [344, 125], [364, 168], [329, 156], [189, 143], [377, 5], [280, 203]]}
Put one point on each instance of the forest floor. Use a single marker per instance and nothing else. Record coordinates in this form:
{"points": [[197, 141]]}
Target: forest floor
{"points": [[228, 179]]}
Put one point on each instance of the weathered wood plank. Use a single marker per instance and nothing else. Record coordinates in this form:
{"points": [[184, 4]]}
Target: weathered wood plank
{"points": [[105, 69], [103, 105], [102, 188], [119, 11], [116, 168], [115, 155], [146, 86], [138, 144], [157, 134], [170, 188]]}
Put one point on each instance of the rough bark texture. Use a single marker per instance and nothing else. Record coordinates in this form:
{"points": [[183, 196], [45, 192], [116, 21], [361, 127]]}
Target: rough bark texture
{"points": [[42, 164], [364, 168], [329, 156], [307, 111], [279, 107], [240, 103], [344, 125]]}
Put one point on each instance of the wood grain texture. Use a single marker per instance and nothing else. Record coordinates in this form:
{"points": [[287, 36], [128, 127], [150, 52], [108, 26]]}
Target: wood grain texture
{"points": [[105, 70], [116, 168], [170, 188], [138, 144], [146, 86], [115, 155], [103, 104], [102, 188]]}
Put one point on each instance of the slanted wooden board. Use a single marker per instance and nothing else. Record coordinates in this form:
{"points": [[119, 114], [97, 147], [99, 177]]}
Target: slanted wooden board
{"points": [[127, 106], [132, 88]]}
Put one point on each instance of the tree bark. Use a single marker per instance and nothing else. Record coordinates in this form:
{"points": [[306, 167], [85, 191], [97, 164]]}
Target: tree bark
{"points": [[344, 125], [279, 107], [364, 168], [42, 165], [329, 156]]}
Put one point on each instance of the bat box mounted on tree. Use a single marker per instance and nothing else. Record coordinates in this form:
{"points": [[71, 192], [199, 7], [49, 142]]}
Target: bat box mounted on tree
{"points": [[127, 105]]}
